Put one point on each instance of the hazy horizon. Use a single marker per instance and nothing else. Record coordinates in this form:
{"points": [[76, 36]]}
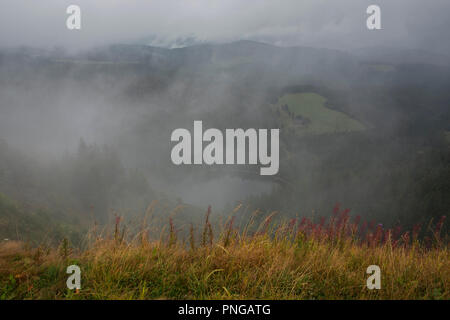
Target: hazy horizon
{"points": [[337, 25], [131, 98]]}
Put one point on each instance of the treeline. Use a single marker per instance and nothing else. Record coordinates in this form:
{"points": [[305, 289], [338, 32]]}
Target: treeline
{"points": [[392, 182], [77, 189]]}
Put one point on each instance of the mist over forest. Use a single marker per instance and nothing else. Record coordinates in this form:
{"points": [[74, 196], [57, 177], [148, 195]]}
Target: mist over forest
{"points": [[85, 134]]}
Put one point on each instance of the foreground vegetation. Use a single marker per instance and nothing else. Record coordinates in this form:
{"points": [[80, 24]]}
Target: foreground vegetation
{"points": [[291, 260]]}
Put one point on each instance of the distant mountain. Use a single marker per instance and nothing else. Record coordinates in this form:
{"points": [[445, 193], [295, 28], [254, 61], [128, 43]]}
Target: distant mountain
{"points": [[401, 56], [258, 63], [188, 51], [170, 42], [256, 52]]}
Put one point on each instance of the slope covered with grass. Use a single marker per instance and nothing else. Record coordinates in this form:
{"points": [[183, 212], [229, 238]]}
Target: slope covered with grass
{"points": [[292, 260], [308, 114]]}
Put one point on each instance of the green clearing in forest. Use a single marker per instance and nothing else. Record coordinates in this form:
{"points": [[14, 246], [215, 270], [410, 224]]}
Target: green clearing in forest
{"points": [[307, 113]]}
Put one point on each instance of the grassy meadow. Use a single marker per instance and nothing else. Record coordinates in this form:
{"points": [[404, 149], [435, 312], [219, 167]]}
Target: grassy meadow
{"points": [[268, 259], [320, 119]]}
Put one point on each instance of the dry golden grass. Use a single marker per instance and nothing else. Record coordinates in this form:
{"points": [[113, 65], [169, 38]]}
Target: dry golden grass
{"points": [[273, 264]]}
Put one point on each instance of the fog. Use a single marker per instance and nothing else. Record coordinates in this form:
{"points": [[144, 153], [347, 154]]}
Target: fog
{"points": [[319, 23], [87, 114]]}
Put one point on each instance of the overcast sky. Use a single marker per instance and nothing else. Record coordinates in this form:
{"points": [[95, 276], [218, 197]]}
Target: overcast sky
{"points": [[332, 23]]}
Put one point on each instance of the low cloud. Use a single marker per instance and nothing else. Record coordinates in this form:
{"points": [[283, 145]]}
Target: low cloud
{"points": [[335, 24]]}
